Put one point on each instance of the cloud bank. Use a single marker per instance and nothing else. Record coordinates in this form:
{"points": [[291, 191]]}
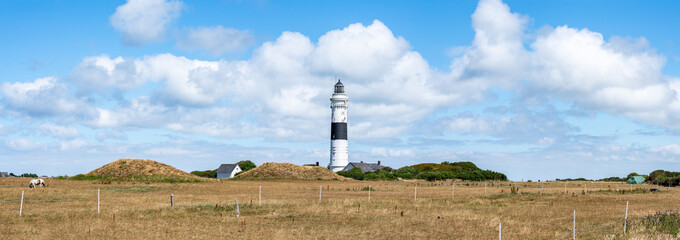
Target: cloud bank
{"points": [[401, 108]]}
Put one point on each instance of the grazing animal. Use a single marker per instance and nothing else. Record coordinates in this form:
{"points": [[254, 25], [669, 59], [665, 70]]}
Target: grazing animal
{"points": [[36, 182]]}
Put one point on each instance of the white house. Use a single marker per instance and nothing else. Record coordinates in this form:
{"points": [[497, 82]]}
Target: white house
{"points": [[228, 170]]}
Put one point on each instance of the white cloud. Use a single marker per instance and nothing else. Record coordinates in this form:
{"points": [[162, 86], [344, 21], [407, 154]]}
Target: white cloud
{"points": [[168, 151], [516, 125], [358, 51], [101, 72], [22, 144], [145, 21], [476, 125], [72, 145], [44, 96], [215, 40], [620, 76], [288, 79], [60, 132], [110, 134], [497, 54], [383, 152], [185, 80], [671, 149]]}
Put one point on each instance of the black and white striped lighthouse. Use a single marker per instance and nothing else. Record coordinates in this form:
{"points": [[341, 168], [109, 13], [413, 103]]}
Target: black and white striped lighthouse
{"points": [[339, 152]]}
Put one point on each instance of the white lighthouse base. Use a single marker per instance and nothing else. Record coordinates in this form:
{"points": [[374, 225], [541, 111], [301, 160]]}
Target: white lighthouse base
{"points": [[339, 156], [336, 168]]}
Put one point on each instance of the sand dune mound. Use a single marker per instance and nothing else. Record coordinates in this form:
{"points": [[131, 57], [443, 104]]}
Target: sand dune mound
{"points": [[290, 171], [138, 167]]}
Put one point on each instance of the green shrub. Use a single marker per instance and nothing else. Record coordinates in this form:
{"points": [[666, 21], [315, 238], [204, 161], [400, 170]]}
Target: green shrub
{"points": [[406, 173], [354, 173], [246, 165], [33, 175], [613, 179], [206, 173], [664, 178]]}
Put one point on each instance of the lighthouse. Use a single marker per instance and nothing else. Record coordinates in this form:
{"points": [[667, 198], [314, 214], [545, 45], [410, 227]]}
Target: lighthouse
{"points": [[339, 153]]}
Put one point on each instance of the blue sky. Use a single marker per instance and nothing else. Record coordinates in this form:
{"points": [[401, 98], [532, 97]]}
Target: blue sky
{"points": [[533, 89]]}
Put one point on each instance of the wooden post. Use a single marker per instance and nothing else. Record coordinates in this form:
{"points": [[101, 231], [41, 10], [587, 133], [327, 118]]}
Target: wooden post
{"points": [[484, 188], [573, 233], [172, 200], [499, 230], [565, 187], [238, 211], [369, 193], [97, 200], [21, 206], [260, 196], [585, 188], [320, 187], [453, 189], [625, 219], [415, 193]]}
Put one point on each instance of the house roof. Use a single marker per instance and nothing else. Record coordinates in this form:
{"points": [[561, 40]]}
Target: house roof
{"points": [[226, 168], [367, 167]]}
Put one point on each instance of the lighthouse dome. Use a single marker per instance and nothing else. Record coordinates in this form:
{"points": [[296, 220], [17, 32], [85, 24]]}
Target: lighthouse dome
{"points": [[339, 88]]}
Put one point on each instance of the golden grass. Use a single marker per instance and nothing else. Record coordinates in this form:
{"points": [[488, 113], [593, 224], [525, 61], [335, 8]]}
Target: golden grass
{"points": [[290, 171], [67, 209], [138, 167]]}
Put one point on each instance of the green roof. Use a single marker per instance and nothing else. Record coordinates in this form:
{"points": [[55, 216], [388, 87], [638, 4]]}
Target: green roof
{"points": [[636, 180]]}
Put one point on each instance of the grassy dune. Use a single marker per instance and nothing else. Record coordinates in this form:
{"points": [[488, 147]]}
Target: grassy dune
{"points": [[67, 209]]}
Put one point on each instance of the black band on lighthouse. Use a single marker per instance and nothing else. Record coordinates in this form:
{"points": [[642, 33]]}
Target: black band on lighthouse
{"points": [[339, 131]]}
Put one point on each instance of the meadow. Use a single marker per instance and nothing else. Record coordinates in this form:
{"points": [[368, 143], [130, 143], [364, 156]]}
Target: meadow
{"points": [[67, 209]]}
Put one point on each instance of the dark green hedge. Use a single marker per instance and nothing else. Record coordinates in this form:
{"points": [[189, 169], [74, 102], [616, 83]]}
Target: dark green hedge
{"points": [[460, 170]]}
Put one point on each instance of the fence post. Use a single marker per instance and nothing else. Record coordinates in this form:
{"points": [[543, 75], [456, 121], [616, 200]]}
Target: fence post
{"points": [[573, 233], [499, 230], [485, 188], [320, 187], [565, 187], [369, 193], [97, 200], [260, 196], [585, 188], [625, 219], [172, 200], [238, 211], [542, 186], [21, 206], [453, 189], [415, 193]]}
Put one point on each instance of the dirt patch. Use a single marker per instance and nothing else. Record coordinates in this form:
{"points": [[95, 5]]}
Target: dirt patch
{"points": [[290, 171]]}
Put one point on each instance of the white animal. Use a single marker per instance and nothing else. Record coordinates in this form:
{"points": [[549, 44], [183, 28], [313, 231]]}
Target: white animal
{"points": [[36, 182]]}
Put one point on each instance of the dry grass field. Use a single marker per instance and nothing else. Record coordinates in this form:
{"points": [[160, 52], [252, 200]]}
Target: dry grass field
{"points": [[67, 209]]}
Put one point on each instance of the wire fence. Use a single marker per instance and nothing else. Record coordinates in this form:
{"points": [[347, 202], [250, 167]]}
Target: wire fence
{"points": [[327, 195]]}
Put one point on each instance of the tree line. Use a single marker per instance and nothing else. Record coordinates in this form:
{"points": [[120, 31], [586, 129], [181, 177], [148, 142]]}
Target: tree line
{"points": [[428, 171]]}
